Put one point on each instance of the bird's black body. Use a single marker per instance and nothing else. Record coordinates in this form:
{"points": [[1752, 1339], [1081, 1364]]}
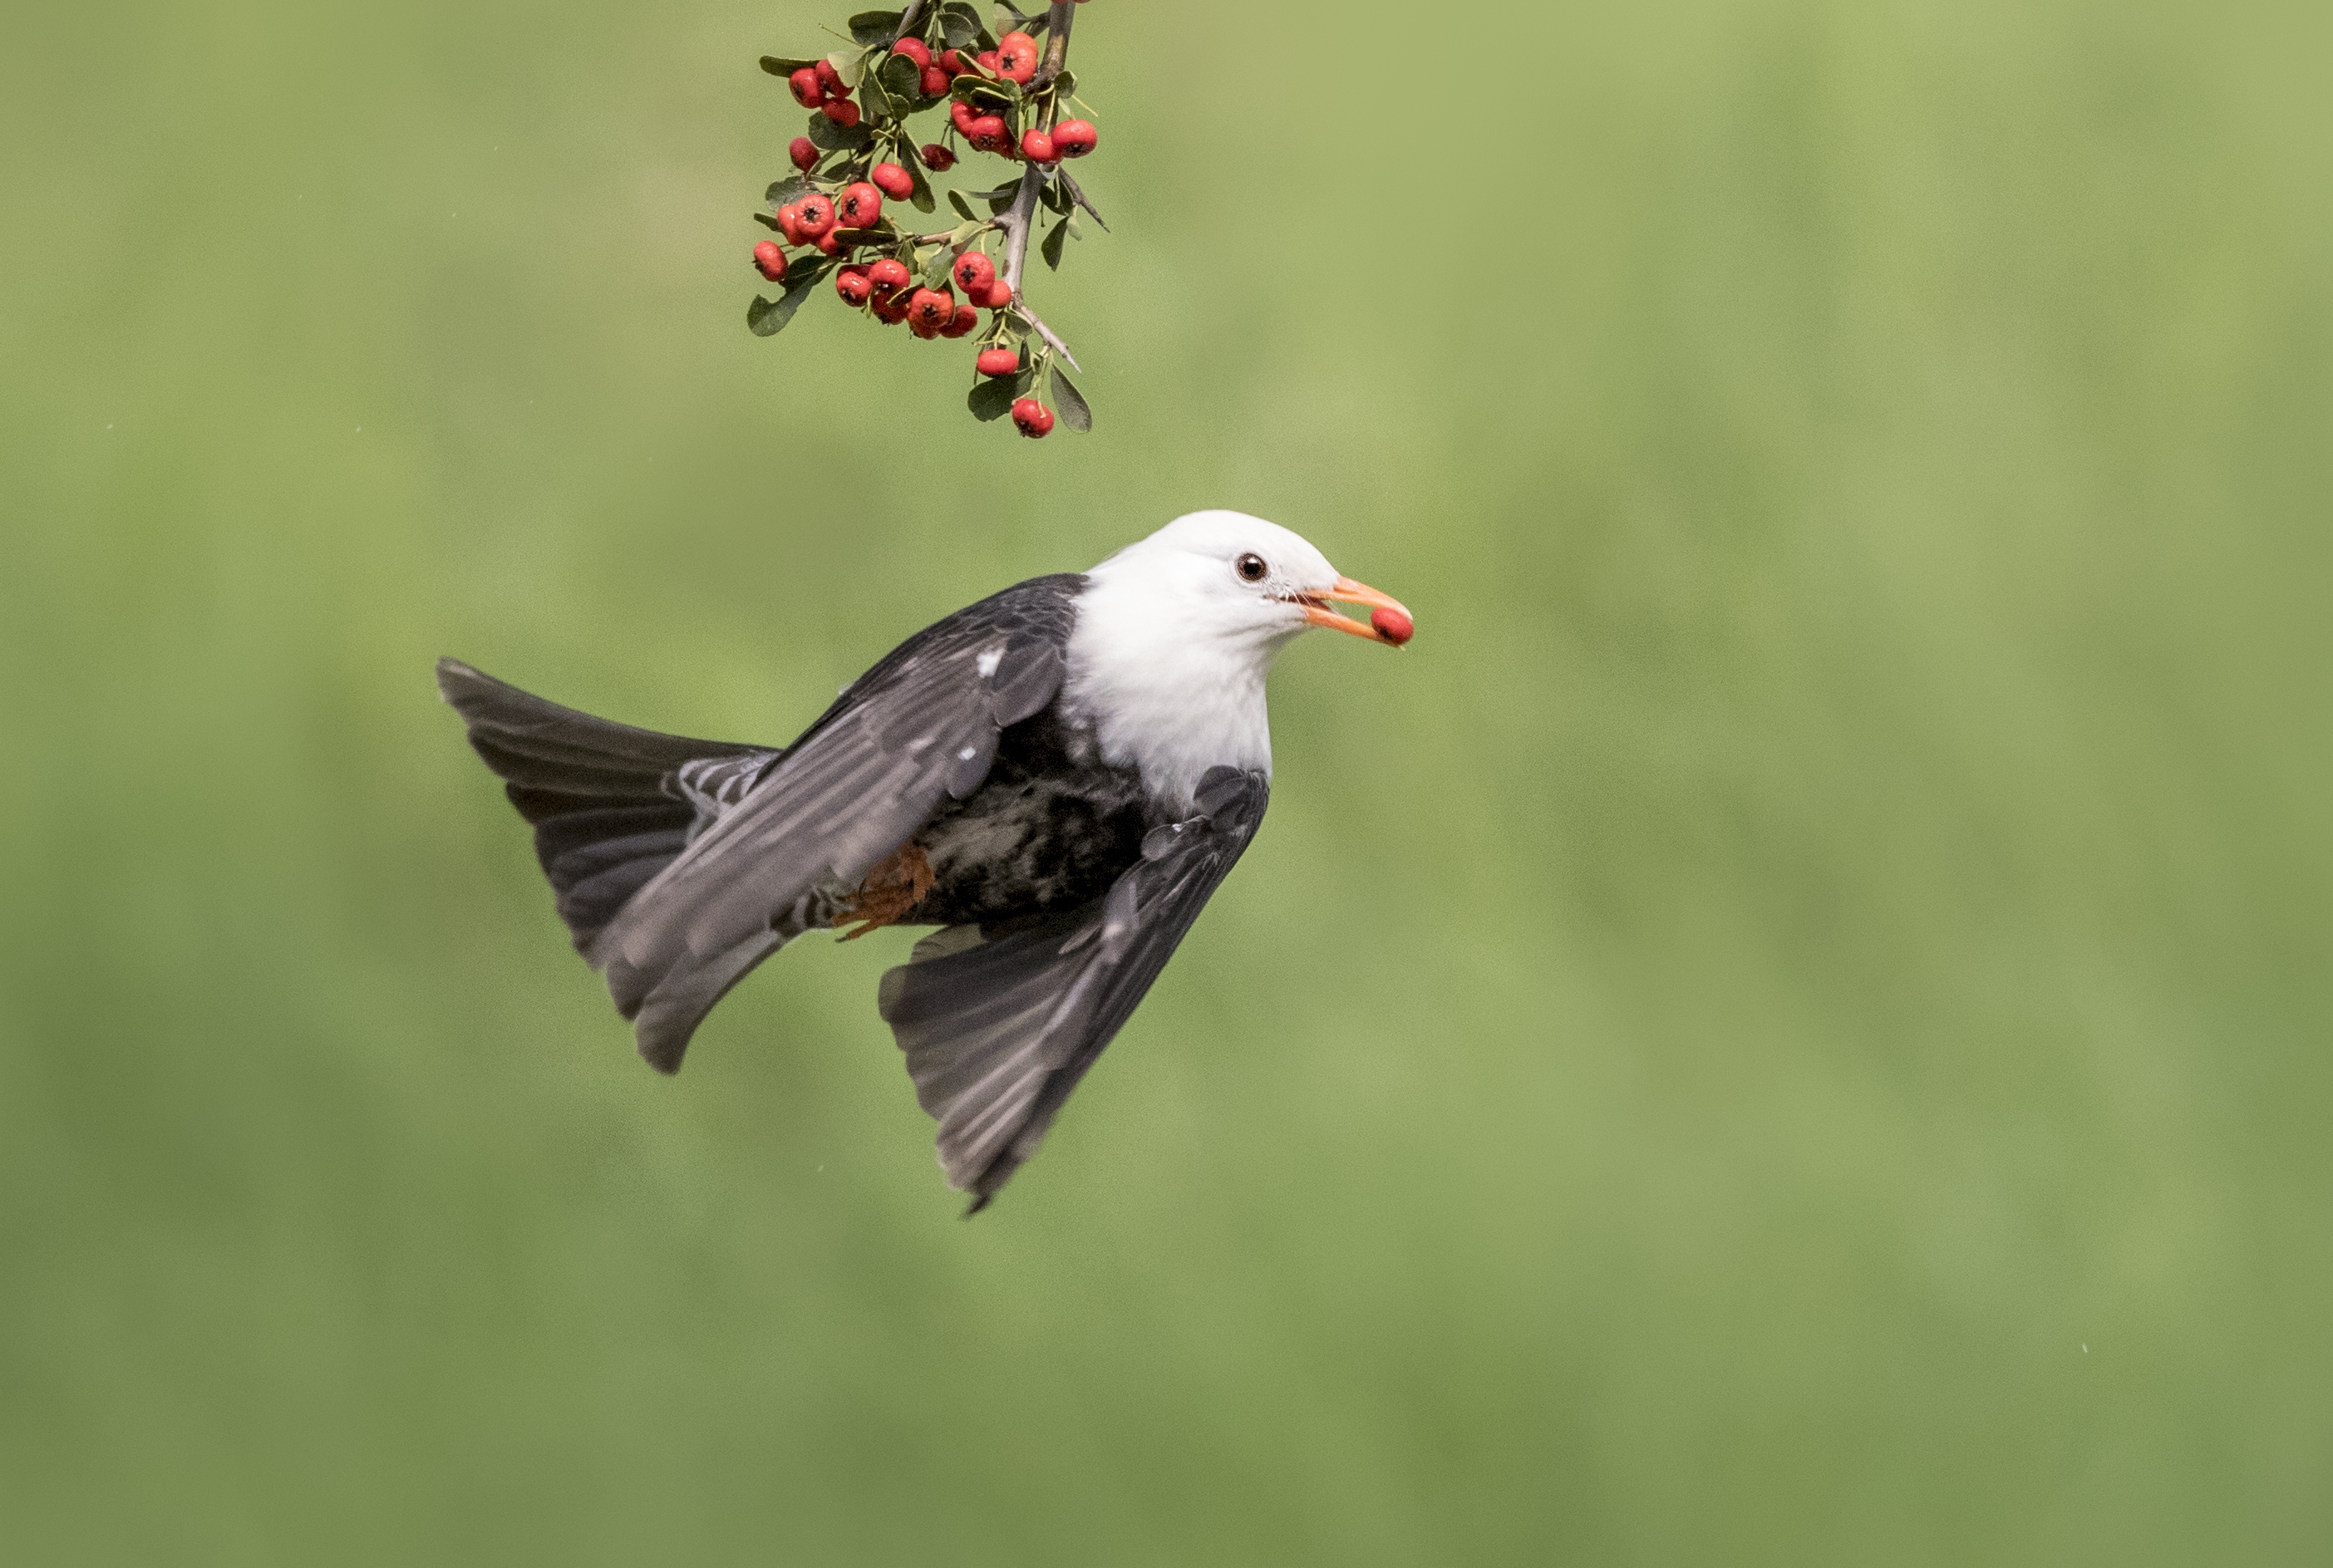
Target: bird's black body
{"points": [[1064, 885]]}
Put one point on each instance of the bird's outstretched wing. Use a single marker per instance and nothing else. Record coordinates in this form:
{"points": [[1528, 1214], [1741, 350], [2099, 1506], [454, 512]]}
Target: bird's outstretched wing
{"points": [[921, 724], [998, 1027]]}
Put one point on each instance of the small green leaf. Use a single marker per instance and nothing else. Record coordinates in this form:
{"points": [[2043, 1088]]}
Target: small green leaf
{"points": [[807, 268], [766, 317], [767, 222], [780, 65], [1071, 403], [920, 196], [936, 271], [850, 64], [1055, 194], [875, 26], [959, 25], [960, 235], [878, 102], [902, 78], [791, 188], [1052, 245], [993, 398], [955, 200], [824, 133]]}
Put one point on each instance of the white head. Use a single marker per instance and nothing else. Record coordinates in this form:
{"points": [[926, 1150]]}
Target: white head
{"points": [[1176, 634]]}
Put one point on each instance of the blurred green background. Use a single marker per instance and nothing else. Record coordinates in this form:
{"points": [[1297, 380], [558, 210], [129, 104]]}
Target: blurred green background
{"points": [[1791, 1027]]}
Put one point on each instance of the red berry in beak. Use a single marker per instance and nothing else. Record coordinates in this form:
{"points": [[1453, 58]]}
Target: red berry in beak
{"points": [[973, 273], [1032, 417], [1016, 57], [771, 257], [1391, 625], [804, 152], [1074, 138], [937, 158], [997, 362], [861, 207], [803, 85]]}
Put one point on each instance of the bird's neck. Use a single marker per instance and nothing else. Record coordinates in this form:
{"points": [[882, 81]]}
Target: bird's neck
{"points": [[1162, 700]]}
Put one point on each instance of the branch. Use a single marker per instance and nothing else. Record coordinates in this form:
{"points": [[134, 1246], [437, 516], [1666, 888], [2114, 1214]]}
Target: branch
{"points": [[1078, 195], [1016, 222], [1056, 45], [907, 19]]}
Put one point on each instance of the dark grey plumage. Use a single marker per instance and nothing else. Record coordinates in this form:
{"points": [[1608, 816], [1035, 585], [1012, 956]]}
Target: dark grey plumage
{"points": [[679, 865]]}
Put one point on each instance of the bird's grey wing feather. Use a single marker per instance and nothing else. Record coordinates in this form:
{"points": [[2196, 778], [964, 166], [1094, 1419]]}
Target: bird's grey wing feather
{"points": [[856, 785], [998, 1027]]}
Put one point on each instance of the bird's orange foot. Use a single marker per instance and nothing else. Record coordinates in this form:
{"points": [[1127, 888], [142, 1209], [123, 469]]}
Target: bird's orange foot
{"points": [[890, 892]]}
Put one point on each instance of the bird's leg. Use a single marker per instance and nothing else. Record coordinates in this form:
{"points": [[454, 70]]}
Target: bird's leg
{"points": [[889, 893]]}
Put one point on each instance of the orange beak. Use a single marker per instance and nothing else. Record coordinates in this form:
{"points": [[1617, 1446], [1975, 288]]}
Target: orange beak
{"points": [[1389, 622]]}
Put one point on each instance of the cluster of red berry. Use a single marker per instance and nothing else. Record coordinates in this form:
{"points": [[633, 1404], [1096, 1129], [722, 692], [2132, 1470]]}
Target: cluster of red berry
{"points": [[1006, 96]]}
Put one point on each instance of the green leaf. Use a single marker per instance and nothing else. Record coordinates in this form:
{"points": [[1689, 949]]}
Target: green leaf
{"points": [[1052, 245], [1055, 194], [824, 133], [850, 64], [959, 25], [920, 197], [960, 235], [878, 102], [767, 222], [780, 65], [902, 77], [807, 268], [993, 398], [936, 271], [791, 188], [766, 317], [955, 200], [875, 26], [1071, 403]]}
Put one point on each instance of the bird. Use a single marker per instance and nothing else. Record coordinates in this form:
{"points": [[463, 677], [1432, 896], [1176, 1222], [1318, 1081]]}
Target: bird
{"points": [[1057, 776]]}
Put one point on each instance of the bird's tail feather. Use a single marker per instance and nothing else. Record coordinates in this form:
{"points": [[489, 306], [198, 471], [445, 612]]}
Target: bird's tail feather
{"points": [[599, 793]]}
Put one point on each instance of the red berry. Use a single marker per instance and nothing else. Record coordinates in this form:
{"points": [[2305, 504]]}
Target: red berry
{"points": [[1036, 146], [831, 243], [988, 133], [965, 321], [813, 217], [1391, 624], [842, 112], [1016, 56], [790, 223], [851, 283], [997, 362], [936, 81], [889, 274], [929, 309], [973, 273], [771, 257], [803, 151], [893, 181], [891, 309], [805, 88], [914, 49], [1000, 295], [986, 59], [829, 80], [861, 207], [937, 158], [1074, 138], [961, 115], [1032, 417]]}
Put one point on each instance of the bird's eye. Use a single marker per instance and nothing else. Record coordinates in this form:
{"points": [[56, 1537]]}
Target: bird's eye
{"points": [[1251, 568]]}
